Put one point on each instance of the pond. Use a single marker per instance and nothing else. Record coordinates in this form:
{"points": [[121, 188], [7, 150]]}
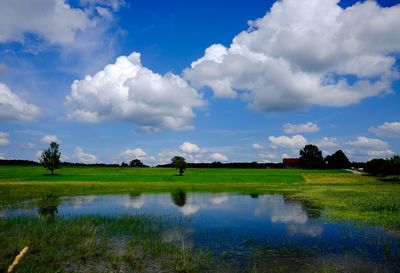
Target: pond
{"points": [[274, 230]]}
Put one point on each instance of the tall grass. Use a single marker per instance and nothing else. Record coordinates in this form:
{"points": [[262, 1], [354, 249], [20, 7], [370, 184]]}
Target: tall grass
{"points": [[95, 244]]}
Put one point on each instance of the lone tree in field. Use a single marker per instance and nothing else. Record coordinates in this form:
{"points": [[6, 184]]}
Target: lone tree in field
{"points": [[338, 160], [179, 163], [136, 163], [311, 157], [50, 158]]}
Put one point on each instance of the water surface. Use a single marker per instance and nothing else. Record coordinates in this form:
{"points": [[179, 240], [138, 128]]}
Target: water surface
{"points": [[270, 229]]}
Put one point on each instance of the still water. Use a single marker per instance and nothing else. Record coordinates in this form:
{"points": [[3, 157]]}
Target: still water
{"points": [[277, 229]]}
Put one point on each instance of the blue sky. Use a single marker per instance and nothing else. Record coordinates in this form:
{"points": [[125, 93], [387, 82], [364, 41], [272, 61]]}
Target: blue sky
{"points": [[210, 80]]}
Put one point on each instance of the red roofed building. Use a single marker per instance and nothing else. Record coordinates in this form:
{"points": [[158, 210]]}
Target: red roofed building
{"points": [[292, 162]]}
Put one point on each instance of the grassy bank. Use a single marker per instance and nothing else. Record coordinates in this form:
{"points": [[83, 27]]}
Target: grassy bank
{"points": [[341, 195], [97, 244]]}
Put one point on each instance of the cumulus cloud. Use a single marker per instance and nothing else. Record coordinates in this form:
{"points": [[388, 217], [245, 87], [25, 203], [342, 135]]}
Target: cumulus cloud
{"points": [[295, 142], [4, 138], [301, 53], [50, 138], [368, 143], [328, 143], [12, 108], [148, 129], [54, 20], [38, 154], [308, 127], [134, 153], [114, 4], [388, 129], [128, 91], [137, 153], [269, 156], [257, 146], [364, 148], [189, 148], [219, 157], [84, 157]]}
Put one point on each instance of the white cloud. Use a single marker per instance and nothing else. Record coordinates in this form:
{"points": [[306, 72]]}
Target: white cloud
{"points": [[257, 146], [368, 143], [328, 143], [128, 91], [219, 157], [164, 157], [138, 153], [64, 158], [299, 54], [50, 138], [2, 157], [293, 143], [364, 148], [308, 127], [38, 154], [388, 129], [54, 20], [148, 129], [114, 4], [14, 108], [269, 156], [84, 157], [189, 148], [4, 138]]}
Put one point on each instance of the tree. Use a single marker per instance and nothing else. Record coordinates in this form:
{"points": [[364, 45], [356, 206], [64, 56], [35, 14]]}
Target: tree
{"points": [[376, 166], [393, 166], [179, 163], [50, 158], [338, 160], [136, 163], [311, 157]]}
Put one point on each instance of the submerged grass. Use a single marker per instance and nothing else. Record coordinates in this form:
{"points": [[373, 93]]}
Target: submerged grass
{"points": [[97, 244], [147, 244]]}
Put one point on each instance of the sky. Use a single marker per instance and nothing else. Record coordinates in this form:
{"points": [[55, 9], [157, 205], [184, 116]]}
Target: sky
{"points": [[229, 81]]}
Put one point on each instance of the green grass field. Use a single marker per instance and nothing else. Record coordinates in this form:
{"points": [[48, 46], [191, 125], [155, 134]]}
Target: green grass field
{"points": [[341, 194]]}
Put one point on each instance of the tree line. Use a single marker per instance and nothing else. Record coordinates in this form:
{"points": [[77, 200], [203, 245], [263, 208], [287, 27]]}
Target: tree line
{"points": [[311, 158], [383, 167]]}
